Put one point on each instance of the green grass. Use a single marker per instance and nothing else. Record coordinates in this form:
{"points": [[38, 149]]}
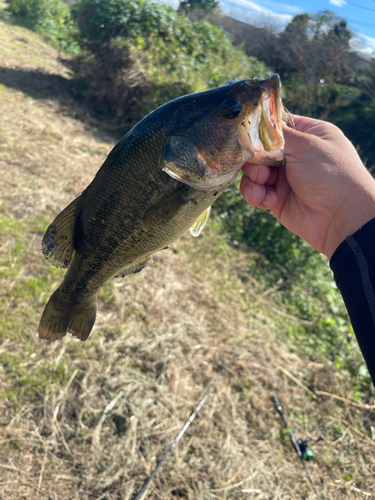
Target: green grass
{"points": [[26, 280]]}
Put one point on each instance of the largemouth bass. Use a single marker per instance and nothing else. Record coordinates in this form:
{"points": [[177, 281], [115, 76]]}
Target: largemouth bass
{"points": [[158, 181]]}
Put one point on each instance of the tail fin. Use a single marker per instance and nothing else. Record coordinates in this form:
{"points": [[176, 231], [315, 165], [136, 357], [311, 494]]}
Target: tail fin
{"points": [[59, 318], [82, 319]]}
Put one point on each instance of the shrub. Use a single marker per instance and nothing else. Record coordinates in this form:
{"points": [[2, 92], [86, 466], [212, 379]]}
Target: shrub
{"points": [[100, 21], [51, 18], [139, 55], [287, 254]]}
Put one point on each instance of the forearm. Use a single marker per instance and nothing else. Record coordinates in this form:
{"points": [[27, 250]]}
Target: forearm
{"points": [[353, 265]]}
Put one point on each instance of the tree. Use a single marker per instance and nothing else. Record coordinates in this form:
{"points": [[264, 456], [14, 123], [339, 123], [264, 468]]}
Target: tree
{"points": [[293, 46], [315, 46]]}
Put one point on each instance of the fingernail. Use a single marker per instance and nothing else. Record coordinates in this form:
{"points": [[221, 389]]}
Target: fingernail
{"points": [[248, 191], [253, 173], [267, 200]]}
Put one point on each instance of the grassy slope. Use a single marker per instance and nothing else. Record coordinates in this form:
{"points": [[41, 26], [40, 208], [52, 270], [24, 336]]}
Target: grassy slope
{"points": [[160, 338]]}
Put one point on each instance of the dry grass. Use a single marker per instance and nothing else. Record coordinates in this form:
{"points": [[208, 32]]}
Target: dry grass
{"points": [[91, 421]]}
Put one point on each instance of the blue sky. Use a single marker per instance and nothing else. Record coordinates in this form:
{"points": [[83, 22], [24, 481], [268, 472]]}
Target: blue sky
{"points": [[360, 14]]}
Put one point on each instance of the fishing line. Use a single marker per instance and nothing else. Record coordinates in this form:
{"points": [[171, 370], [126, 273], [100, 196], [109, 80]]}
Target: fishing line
{"points": [[189, 421]]}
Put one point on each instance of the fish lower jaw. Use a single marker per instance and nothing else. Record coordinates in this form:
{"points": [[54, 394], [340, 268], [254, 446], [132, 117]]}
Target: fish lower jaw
{"points": [[269, 158]]}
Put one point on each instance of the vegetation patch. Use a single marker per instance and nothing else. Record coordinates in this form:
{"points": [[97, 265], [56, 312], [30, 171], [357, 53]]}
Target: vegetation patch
{"points": [[51, 18]]}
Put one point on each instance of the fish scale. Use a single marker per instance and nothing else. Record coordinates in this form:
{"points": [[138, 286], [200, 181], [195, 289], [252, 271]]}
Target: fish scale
{"points": [[159, 180]]}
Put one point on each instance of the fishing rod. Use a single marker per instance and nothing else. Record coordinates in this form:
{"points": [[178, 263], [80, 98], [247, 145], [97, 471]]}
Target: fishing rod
{"points": [[301, 446], [302, 449], [189, 421]]}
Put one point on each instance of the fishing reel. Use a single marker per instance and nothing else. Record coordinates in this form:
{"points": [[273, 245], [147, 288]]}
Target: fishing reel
{"points": [[301, 447], [307, 454]]}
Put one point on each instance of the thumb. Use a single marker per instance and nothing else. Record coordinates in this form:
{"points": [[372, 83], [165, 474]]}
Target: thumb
{"points": [[295, 141], [307, 132]]}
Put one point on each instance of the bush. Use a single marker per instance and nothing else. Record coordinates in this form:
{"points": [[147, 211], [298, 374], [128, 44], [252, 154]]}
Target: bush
{"points": [[202, 57], [100, 21], [287, 254], [360, 131], [139, 55], [49, 17]]}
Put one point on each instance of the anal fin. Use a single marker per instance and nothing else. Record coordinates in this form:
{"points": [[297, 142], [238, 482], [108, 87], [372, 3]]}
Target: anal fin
{"points": [[133, 269], [58, 242], [199, 224]]}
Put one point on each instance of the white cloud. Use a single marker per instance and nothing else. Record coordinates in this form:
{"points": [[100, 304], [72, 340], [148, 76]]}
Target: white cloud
{"points": [[255, 14], [338, 3], [276, 6], [247, 4], [363, 43]]}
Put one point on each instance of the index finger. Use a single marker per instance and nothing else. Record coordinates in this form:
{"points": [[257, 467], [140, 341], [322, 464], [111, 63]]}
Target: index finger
{"points": [[257, 173]]}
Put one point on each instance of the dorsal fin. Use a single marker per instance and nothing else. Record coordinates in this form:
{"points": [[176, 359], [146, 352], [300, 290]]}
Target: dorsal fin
{"points": [[58, 242], [199, 224]]}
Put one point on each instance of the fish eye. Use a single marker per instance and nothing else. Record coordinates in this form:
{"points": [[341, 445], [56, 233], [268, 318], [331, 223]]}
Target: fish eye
{"points": [[230, 109]]}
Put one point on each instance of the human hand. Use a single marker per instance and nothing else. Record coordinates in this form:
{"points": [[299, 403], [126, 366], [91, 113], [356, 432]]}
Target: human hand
{"points": [[323, 194]]}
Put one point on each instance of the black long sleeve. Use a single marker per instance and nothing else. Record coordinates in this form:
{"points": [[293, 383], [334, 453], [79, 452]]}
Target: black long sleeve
{"points": [[353, 265]]}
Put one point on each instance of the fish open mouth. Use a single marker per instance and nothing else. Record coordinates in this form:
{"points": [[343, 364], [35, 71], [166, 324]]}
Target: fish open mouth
{"points": [[226, 140], [261, 132]]}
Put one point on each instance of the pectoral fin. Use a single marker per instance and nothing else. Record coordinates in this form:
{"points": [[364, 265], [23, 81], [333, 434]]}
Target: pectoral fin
{"points": [[167, 208], [133, 269], [199, 224]]}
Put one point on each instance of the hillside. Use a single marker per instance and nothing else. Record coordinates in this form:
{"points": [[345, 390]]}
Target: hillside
{"points": [[91, 420]]}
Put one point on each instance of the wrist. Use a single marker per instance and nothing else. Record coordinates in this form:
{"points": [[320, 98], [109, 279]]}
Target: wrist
{"points": [[348, 223]]}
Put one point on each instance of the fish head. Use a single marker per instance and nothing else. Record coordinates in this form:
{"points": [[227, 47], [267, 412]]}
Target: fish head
{"points": [[216, 132]]}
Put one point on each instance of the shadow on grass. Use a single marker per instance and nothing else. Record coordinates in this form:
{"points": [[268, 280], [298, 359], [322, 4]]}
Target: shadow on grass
{"points": [[67, 92], [37, 85]]}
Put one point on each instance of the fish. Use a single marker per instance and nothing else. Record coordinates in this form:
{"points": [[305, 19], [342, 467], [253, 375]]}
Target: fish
{"points": [[158, 182]]}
